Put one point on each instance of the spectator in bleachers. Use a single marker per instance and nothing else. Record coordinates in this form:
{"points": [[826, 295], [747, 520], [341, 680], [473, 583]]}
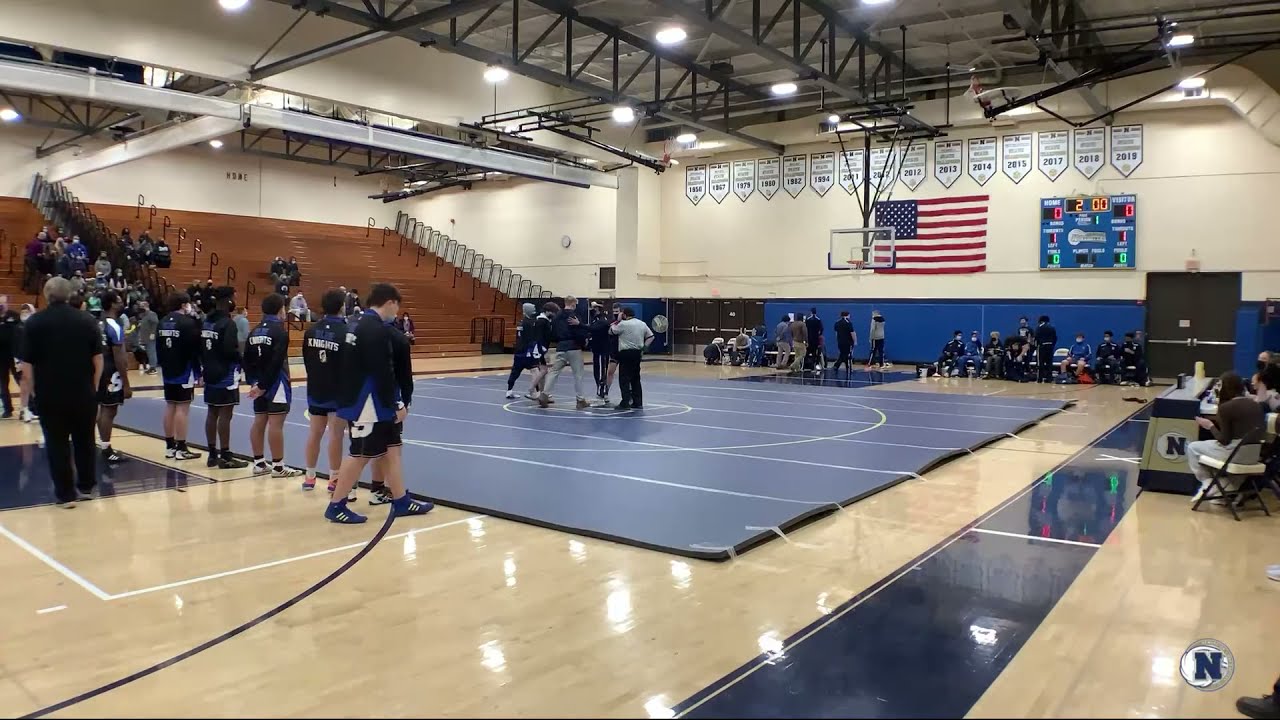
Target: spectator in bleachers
{"points": [[77, 283], [118, 282], [79, 264], [102, 267], [282, 287], [241, 321], [353, 302], [294, 272], [298, 307], [277, 271], [148, 324], [78, 249], [31, 261], [160, 256], [62, 266], [407, 327], [146, 249]]}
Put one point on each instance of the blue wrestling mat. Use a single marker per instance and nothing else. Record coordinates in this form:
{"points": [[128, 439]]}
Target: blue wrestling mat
{"points": [[707, 470]]}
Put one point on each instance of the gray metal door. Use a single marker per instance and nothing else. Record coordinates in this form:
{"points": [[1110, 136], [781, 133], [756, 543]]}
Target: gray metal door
{"points": [[1191, 317]]}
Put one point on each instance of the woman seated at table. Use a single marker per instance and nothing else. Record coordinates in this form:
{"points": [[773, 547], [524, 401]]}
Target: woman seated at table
{"points": [[1239, 416]]}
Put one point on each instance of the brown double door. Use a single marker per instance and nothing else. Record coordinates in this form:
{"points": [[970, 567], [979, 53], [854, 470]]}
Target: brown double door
{"points": [[695, 322]]}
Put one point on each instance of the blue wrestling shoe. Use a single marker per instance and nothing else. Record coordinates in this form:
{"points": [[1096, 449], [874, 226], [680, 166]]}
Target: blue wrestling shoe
{"points": [[338, 512], [406, 505]]}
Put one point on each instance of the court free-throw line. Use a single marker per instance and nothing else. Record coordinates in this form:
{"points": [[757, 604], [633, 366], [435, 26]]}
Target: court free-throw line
{"points": [[1035, 537], [858, 600], [53, 609], [285, 561], [63, 570]]}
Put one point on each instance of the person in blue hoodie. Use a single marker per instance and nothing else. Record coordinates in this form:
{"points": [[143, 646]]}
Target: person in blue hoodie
{"points": [[971, 361], [951, 353], [1079, 356]]}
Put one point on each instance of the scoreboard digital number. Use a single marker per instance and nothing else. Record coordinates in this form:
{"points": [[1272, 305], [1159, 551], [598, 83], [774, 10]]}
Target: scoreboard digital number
{"points": [[1089, 233]]}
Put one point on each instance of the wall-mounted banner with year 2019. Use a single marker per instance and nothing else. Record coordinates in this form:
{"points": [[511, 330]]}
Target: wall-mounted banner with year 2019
{"points": [[1126, 148], [948, 161], [822, 172], [982, 159], [914, 165], [695, 183], [795, 174], [767, 176], [1091, 147], [744, 178], [1017, 156], [1055, 151], [719, 179]]}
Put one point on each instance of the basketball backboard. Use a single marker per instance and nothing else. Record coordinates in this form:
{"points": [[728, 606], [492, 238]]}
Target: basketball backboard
{"points": [[872, 247]]}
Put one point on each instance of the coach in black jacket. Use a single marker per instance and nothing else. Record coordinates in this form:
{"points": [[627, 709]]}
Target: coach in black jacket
{"points": [[815, 353], [1046, 341]]}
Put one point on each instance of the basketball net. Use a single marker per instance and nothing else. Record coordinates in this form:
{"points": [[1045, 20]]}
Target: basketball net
{"points": [[856, 264]]}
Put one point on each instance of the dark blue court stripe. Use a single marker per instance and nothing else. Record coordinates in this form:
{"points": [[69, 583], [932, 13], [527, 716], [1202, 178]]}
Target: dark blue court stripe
{"points": [[224, 636], [699, 700]]}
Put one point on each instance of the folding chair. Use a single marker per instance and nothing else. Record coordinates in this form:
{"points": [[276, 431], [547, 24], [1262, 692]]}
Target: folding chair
{"points": [[1250, 471]]}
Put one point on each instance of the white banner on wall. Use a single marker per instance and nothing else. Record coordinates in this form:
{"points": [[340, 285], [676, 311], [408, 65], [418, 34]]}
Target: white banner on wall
{"points": [[915, 165], [822, 172], [982, 159], [1016, 156], [1091, 147], [695, 183], [744, 178], [882, 168], [1055, 149], [850, 163], [719, 180], [767, 176], [1126, 148], [795, 174], [948, 161]]}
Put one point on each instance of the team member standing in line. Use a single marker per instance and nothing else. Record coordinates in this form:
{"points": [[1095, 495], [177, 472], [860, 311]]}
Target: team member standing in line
{"points": [[322, 356], [220, 360], [599, 329], [266, 366], [178, 354], [402, 359], [374, 406], [113, 388], [846, 339], [528, 353]]}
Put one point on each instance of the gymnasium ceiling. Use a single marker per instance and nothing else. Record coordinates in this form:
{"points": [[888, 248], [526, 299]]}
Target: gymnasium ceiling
{"points": [[844, 55]]}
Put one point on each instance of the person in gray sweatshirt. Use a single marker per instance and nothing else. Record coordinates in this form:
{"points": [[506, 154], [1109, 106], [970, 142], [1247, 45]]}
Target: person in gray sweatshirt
{"points": [[877, 341]]}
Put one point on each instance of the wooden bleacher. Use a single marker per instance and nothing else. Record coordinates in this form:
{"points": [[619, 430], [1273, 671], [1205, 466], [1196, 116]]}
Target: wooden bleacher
{"points": [[19, 221], [329, 256]]}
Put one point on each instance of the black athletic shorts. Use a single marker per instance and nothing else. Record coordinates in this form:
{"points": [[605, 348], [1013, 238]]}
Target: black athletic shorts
{"points": [[262, 405], [371, 440], [107, 397], [221, 397], [179, 393], [320, 411]]}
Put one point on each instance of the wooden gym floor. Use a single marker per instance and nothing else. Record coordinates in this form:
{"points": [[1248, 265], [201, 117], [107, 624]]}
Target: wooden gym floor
{"points": [[210, 598]]}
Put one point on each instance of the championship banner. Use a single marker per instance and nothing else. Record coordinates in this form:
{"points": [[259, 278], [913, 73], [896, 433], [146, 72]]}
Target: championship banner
{"points": [[719, 181], [881, 167], [850, 170], [1055, 149], [1016, 156], [948, 161], [744, 178], [767, 170], [795, 174], [822, 172], [695, 183], [1091, 146], [1126, 148], [982, 159], [914, 165]]}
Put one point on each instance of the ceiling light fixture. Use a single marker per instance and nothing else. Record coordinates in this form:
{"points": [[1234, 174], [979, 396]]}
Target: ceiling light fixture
{"points": [[9, 114], [1191, 83], [876, 2], [215, 144], [624, 114], [670, 35], [783, 88], [686, 138], [495, 74], [1181, 40], [233, 5], [833, 118]]}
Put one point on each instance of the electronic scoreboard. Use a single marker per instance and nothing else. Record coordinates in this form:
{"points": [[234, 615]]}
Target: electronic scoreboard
{"points": [[1089, 233]]}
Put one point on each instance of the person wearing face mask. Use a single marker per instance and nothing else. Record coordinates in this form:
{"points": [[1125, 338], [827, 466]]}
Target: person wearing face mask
{"points": [[1107, 365], [178, 356], [1078, 357], [993, 358], [117, 281], [971, 361], [876, 335], [1046, 339], [951, 354], [1133, 356]]}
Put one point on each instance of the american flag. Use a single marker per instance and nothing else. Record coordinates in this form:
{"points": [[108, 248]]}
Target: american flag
{"points": [[938, 236]]}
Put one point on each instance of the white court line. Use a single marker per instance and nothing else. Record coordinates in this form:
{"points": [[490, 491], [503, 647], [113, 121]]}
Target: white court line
{"points": [[1035, 537], [275, 563], [53, 609], [601, 473], [65, 571], [1135, 461]]}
